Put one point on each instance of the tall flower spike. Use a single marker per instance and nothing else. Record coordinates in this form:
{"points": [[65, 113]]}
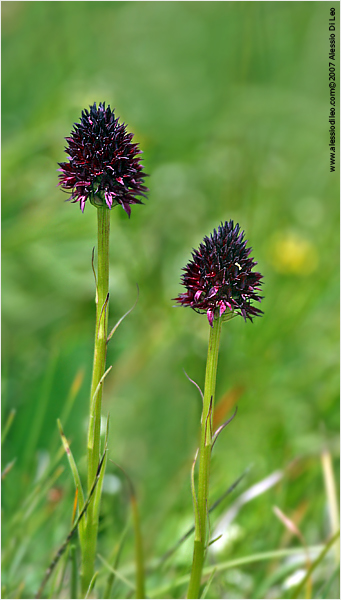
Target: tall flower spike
{"points": [[220, 278], [104, 165]]}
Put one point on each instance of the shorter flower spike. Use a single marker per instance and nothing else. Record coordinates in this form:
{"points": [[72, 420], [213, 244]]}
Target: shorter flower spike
{"points": [[104, 166], [219, 279], [196, 385]]}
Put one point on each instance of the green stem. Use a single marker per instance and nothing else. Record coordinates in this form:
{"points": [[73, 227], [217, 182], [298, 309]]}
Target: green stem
{"points": [[102, 308], [204, 461]]}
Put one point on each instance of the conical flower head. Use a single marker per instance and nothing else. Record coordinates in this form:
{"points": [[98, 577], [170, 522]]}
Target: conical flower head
{"points": [[103, 164], [220, 276]]}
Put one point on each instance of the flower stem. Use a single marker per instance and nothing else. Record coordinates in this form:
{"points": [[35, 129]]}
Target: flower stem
{"points": [[201, 503], [88, 541]]}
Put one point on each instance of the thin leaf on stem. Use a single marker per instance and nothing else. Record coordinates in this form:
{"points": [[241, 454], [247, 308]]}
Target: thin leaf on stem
{"points": [[215, 540], [208, 424], [195, 501], [94, 271], [124, 316], [220, 429], [103, 312], [196, 385], [92, 421]]}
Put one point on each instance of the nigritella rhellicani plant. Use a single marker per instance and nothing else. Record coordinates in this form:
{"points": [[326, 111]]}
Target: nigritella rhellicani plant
{"points": [[103, 166], [220, 281]]}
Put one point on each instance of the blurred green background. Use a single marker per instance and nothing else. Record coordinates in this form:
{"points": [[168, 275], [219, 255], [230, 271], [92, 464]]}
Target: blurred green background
{"points": [[229, 102]]}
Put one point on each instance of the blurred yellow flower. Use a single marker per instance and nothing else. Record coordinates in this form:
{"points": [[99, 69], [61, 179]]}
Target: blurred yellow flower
{"points": [[290, 252]]}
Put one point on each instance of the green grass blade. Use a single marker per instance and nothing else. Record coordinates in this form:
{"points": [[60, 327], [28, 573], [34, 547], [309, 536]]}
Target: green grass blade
{"points": [[59, 572], [117, 574], [64, 546], [74, 572], [139, 555], [40, 409], [91, 585], [237, 562], [75, 474], [118, 551], [7, 469], [188, 533], [325, 591], [316, 562], [8, 425], [208, 584], [69, 402], [330, 486]]}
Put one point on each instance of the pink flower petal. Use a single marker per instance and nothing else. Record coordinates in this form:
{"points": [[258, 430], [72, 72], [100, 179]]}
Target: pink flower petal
{"points": [[222, 307], [210, 316]]}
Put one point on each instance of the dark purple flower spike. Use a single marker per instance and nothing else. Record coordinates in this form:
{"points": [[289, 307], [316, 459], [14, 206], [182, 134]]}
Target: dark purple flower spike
{"points": [[104, 165], [220, 278]]}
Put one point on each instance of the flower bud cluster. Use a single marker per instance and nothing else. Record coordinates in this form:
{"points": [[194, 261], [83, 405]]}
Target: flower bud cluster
{"points": [[104, 165], [220, 277]]}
